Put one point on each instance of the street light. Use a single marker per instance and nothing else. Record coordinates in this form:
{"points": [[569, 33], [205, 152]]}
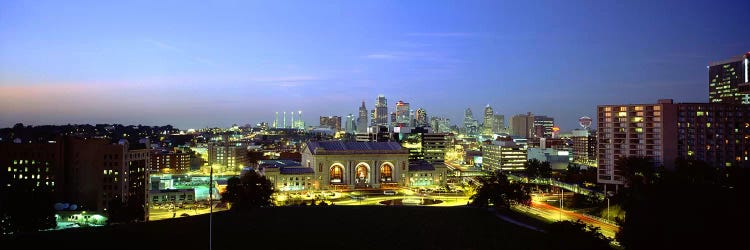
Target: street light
{"points": [[562, 193], [607, 208]]}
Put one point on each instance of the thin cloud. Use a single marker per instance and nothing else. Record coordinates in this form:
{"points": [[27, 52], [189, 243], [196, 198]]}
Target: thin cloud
{"points": [[443, 34], [381, 56], [166, 46], [414, 56]]}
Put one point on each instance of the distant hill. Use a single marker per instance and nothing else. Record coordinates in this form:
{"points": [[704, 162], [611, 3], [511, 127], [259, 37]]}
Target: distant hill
{"points": [[303, 228]]}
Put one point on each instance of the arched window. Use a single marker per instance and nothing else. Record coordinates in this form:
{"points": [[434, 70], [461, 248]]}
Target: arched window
{"points": [[386, 173], [337, 174], [362, 174]]}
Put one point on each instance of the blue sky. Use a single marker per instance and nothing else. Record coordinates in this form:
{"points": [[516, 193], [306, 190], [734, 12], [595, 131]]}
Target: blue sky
{"points": [[194, 64]]}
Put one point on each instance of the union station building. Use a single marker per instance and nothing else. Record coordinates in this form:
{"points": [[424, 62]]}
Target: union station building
{"points": [[338, 165]]}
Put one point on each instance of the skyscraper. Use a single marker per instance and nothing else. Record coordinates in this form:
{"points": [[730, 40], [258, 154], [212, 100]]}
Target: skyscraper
{"points": [[333, 122], [489, 120], [729, 80], [402, 114], [421, 118], [499, 124], [522, 125], [470, 125], [362, 119], [543, 126], [350, 125], [380, 114]]}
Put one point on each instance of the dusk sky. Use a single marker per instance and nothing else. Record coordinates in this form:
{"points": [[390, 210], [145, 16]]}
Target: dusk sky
{"points": [[194, 64]]}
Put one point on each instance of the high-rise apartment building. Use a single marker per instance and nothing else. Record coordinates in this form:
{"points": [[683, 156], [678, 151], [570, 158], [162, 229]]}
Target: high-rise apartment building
{"points": [[362, 119], [634, 130], [717, 133], [522, 125], [729, 80], [332, 122]]}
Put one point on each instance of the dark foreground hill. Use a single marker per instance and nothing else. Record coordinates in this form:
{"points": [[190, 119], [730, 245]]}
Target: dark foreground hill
{"points": [[334, 227]]}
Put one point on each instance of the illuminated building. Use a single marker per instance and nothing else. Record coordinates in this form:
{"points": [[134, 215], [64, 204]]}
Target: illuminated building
{"points": [[729, 80], [558, 159], [173, 196], [350, 125], [543, 126], [470, 125], [227, 156], [286, 175], [362, 119], [170, 162], [422, 173], [424, 145], [87, 172], [349, 165], [503, 154], [380, 113], [403, 119], [716, 133], [584, 147], [332, 122], [300, 121], [489, 121], [498, 125], [634, 130], [434, 146], [421, 119], [440, 124], [522, 125]]}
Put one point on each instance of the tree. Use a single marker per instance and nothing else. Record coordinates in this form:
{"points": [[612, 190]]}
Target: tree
{"points": [[251, 190], [535, 168], [576, 235], [692, 206], [26, 211], [498, 191]]}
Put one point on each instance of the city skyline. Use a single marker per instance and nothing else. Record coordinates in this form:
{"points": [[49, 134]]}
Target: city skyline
{"points": [[214, 65]]}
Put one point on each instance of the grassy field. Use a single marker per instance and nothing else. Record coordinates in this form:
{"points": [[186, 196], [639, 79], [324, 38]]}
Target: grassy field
{"points": [[336, 227]]}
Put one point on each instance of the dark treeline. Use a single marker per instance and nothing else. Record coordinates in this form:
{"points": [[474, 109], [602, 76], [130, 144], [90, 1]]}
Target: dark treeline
{"points": [[46, 133], [694, 206]]}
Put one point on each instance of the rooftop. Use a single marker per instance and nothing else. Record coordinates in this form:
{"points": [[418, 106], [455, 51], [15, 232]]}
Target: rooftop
{"points": [[278, 163], [359, 147]]}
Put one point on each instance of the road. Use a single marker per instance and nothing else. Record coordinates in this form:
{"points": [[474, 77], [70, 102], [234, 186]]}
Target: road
{"points": [[554, 213], [161, 214]]}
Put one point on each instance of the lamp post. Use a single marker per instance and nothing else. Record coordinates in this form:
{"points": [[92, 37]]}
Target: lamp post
{"points": [[210, 207], [562, 192], [607, 208]]}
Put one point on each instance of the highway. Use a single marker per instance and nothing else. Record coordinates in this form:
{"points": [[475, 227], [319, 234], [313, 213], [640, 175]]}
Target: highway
{"points": [[553, 213]]}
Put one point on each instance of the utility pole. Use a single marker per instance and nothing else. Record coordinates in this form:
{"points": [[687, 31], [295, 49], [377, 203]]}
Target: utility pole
{"points": [[211, 207], [562, 192]]}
